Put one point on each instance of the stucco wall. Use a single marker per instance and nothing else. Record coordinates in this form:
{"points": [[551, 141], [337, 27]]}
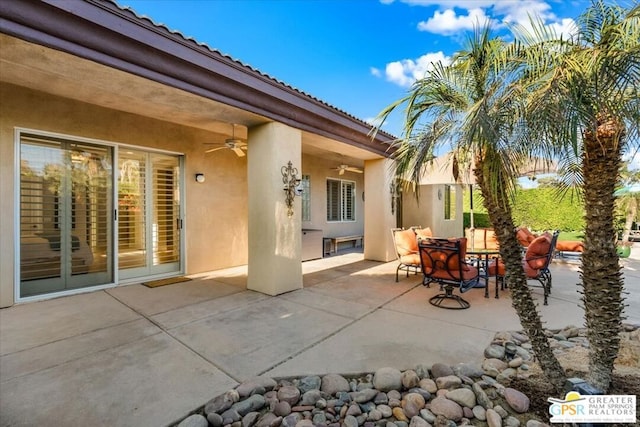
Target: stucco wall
{"points": [[428, 211], [216, 210]]}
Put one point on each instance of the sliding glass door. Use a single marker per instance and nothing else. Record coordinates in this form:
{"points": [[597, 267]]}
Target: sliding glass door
{"points": [[149, 223], [68, 218], [65, 215]]}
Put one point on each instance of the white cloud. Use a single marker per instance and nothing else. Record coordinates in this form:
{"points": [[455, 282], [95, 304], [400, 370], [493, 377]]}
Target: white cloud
{"points": [[407, 71], [375, 71], [448, 22], [461, 15], [462, 4], [456, 16], [565, 28], [518, 11]]}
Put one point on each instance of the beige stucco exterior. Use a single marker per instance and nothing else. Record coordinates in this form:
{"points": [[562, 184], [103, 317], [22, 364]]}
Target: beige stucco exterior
{"points": [[275, 243], [380, 218], [216, 210], [427, 210]]}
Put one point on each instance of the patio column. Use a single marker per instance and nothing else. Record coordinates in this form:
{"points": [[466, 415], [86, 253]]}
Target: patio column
{"points": [[378, 217], [274, 258]]}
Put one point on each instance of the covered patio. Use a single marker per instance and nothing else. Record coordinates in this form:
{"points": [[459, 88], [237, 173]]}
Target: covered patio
{"points": [[148, 356]]}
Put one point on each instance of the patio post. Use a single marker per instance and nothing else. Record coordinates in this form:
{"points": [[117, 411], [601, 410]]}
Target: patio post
{"points": [[274, 258], [379, 217]]}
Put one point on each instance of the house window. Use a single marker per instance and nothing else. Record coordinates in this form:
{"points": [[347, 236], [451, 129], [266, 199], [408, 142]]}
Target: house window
{"points": [[449, 202], [341, 200], [306, 197]]}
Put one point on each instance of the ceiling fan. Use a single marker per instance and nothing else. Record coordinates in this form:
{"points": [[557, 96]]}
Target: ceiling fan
{"points": [[342, 168], [237, 145]]}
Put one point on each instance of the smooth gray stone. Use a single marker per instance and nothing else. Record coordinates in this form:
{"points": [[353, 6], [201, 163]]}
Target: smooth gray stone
{"points": [[310, 397], [350, 421], [386, 379], [365, 395], [255, 385], [222, 402], [195, 420], [250, 419], [253, 403], [215, 419], [309, 383]]}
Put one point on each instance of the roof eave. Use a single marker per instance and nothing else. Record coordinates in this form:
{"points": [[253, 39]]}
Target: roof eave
{"points": [[102, 32]]}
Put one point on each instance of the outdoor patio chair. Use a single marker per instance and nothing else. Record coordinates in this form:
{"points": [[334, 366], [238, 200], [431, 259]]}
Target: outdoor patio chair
{"points": [[536, 262], [525, 237], [443, 262], [406, 246], [482, 238]]}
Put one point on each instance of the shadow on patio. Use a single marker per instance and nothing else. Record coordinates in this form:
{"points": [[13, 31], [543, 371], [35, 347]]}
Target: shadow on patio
{"points": [[134, 355]]}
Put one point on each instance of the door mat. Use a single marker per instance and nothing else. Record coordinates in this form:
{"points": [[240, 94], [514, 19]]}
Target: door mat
{"points": [[163, 282]]}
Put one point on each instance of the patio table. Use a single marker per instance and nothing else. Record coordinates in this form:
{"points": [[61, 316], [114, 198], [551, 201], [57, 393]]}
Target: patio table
{"points": [[483, 256]]}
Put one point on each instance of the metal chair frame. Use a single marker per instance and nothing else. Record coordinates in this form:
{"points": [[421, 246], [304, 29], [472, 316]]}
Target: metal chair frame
{"points": [[415, 268], [436, 255], [544, 274]]}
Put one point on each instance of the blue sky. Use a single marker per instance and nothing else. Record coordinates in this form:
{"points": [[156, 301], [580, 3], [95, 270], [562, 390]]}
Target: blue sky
{"points": [[357, 55]]}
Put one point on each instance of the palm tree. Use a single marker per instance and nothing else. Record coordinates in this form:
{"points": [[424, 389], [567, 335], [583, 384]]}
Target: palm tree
{"points": [[584, 98], [471, 105]]}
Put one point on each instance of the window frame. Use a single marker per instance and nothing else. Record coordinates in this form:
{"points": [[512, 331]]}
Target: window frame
{"points": [[449, 202], [305, 209], [342, 204]]}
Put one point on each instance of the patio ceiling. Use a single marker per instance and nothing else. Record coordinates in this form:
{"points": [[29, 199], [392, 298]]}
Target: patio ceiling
{"points": [[145, 69]]}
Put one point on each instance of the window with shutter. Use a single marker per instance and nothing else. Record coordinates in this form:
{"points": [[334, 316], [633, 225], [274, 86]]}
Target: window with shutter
{"points": [[340, 200]]}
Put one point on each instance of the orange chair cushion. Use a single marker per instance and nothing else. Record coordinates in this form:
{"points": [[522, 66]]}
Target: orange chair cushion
{"points": [[500, 268], [497, 267], [478, 238], [410, 259], [490, 239], [406, 242], [423, 233], [525, 237], [468, 273], [530, 272], [453, 263], [483, 238], [570, 246], [536, 252]]}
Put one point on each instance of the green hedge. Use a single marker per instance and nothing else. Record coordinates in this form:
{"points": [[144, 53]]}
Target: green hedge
{"points": [[537, 208]]}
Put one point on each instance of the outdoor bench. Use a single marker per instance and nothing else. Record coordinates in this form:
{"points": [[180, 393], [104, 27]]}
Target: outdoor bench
{"points": [[341, 239]]}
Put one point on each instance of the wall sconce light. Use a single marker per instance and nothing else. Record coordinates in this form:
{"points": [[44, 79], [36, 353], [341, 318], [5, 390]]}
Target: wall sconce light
{"points": [[291, 187], [200, 177]]}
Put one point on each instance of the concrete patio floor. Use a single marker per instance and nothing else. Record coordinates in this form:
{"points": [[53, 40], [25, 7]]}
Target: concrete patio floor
{"points": [[136, 356]]}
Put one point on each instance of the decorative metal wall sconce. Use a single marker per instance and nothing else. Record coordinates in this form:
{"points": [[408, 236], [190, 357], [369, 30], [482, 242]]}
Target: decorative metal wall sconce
{"points": [[292, 186], [395, 190]]}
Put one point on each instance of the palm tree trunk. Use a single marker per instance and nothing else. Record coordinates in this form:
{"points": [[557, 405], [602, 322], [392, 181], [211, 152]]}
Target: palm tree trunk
{"points": [[510, 251], [601, 277]]}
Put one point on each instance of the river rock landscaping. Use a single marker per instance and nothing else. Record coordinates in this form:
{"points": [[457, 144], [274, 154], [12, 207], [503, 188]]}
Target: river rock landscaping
{"points": [[477, 393]]}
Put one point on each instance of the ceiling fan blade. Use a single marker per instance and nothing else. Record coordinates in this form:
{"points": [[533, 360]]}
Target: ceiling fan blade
{"points": [[238, 151], [341, 171], [354, 169], [214, 149]]}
